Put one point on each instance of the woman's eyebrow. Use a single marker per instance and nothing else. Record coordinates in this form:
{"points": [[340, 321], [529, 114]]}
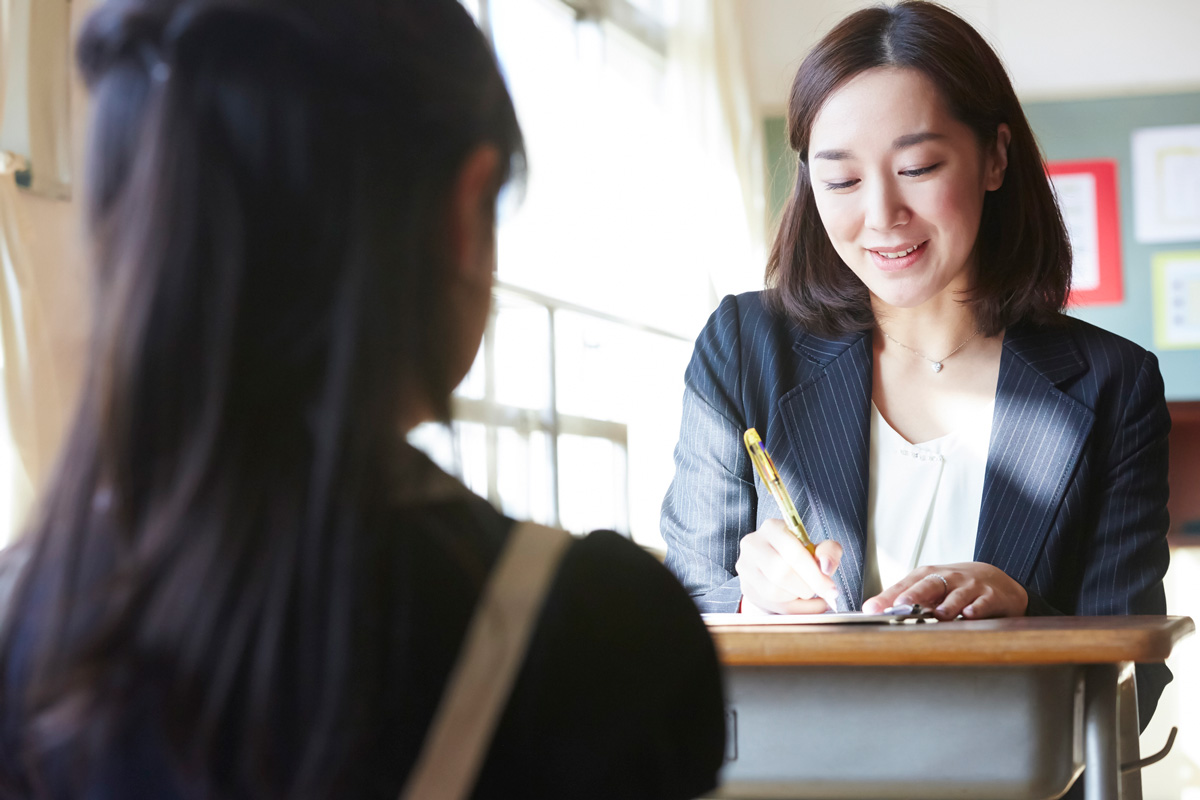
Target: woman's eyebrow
{"points": [[907, 140], [910, 139], [834, 155]]}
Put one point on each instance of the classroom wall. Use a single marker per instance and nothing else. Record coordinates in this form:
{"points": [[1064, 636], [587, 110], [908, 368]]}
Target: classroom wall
{"points": [[56, 249], [60, 282], [1053, 49], [1101, 128]]}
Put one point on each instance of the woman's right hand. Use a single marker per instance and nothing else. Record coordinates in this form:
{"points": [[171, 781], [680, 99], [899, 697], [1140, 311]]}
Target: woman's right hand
{"points": [[780, 576]]}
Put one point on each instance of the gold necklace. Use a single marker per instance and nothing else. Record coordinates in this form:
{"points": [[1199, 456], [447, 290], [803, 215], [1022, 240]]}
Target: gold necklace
{"points": [[935, 363]]}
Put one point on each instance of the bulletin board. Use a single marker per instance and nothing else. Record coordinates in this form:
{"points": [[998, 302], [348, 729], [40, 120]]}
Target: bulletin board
{"points": [[1103, 129]]}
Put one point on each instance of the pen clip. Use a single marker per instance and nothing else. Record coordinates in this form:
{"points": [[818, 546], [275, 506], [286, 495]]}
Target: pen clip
{"points": [[758, 455]]}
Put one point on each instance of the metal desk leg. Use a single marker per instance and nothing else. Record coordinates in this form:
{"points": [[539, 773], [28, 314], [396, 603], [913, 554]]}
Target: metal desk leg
{"points": [[1128, 747], [1101, 773]]}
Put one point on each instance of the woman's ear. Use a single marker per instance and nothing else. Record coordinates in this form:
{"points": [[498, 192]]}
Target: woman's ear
{"points": [[471, 250], [997, 158], [472, 211]]}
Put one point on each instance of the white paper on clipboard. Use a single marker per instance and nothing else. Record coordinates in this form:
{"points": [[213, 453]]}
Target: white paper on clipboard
{"points": [[830, 618]]}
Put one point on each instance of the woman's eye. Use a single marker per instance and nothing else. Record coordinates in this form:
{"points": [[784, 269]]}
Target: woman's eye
{"points": [[918, 172], [842, 185]]}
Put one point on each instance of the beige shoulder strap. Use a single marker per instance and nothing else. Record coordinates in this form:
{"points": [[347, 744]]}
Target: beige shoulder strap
{"points": [[491, 656]]}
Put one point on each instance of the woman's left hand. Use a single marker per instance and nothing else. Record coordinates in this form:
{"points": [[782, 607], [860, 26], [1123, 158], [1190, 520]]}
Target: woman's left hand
{"points": [[975, 590]]}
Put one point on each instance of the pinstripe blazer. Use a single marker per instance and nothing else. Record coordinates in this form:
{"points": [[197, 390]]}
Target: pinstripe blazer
{"points": [[1075, 489]]}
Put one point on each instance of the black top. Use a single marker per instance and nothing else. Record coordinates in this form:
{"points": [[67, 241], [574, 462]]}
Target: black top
{"points": [[620, 695]]}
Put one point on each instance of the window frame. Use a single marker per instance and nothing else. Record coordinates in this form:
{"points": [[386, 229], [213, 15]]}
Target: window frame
{"points": [[549, 421]]}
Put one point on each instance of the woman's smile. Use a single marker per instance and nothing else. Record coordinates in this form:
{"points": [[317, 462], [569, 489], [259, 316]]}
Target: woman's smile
{"points": [[894, 259]]}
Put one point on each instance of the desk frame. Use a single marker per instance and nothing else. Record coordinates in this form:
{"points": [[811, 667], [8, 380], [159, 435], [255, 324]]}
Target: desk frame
{"points": [[1094, 653]]}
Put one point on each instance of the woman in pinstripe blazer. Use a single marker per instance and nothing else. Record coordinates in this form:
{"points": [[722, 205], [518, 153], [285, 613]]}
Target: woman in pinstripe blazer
{"points": [[921, 222]]}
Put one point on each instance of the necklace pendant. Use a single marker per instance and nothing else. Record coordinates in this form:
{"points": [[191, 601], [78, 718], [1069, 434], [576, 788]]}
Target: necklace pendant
{"points": [[937, 366]]}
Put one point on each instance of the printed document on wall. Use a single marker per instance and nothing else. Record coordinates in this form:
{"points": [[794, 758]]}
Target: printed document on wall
{"points": [[1166, 183], [1086, 192], [1177, 300]]}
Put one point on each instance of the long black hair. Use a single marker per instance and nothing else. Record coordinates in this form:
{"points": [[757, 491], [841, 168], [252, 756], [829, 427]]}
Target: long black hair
{"points": [[267, 192]]}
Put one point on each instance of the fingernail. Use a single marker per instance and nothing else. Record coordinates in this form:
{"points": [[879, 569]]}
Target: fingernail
{"points": [[940, 611], [826, 565], [969, 611]]}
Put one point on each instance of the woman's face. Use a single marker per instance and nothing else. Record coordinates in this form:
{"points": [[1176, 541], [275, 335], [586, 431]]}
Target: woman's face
{"points": [[899, 184]]}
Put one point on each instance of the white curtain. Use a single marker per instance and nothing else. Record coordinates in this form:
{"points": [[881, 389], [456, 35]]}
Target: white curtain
{"points": [[643, 203], [34, 134], [707, 47], [644, 193], [35, 94]]}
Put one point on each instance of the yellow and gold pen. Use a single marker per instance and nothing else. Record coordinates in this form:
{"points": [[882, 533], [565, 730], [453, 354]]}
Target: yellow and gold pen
{"points": [[770, 477]]}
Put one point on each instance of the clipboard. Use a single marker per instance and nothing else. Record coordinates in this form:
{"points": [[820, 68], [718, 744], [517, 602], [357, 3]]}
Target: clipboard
{"points": [[897, 615]]}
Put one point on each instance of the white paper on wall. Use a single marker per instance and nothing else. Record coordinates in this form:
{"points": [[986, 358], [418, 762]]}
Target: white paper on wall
{"points": [[1077, 199], [1177, 300], [1166, 183]]}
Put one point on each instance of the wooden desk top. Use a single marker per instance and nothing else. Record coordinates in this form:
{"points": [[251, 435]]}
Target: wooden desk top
{"points": [[1017, 640]]}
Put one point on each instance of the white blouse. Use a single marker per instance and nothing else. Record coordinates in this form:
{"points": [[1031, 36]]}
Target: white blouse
{"points": [[923, 499]]}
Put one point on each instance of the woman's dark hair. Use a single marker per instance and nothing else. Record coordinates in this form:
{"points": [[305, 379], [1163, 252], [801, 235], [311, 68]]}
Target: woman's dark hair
{"points": [[1022, 254], [267, 193]]}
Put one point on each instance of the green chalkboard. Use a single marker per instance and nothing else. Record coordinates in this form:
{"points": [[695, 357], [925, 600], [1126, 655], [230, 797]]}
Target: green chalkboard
{"points": [[1074, 130]]}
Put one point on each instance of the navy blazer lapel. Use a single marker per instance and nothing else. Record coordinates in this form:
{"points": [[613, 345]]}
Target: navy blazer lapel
{"points": [[827, 419], [1038, 434]]}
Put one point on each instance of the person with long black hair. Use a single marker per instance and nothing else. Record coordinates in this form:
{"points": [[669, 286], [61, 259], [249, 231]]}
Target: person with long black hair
{"points": [[242, 581]]}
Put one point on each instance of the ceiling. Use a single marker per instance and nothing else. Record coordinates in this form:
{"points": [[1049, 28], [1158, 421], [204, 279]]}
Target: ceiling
{"points": [[1054, 49]]}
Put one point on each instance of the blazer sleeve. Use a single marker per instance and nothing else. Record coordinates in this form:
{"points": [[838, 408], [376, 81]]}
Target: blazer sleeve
{"points": [[711, 503], [1126, 555]]}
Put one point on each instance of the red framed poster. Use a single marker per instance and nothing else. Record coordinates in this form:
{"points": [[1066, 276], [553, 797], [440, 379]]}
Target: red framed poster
{"points": [[1087, 196]]}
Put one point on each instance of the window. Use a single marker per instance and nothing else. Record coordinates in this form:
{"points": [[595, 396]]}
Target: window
{"points": [[561, 417], [605, 268]]}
